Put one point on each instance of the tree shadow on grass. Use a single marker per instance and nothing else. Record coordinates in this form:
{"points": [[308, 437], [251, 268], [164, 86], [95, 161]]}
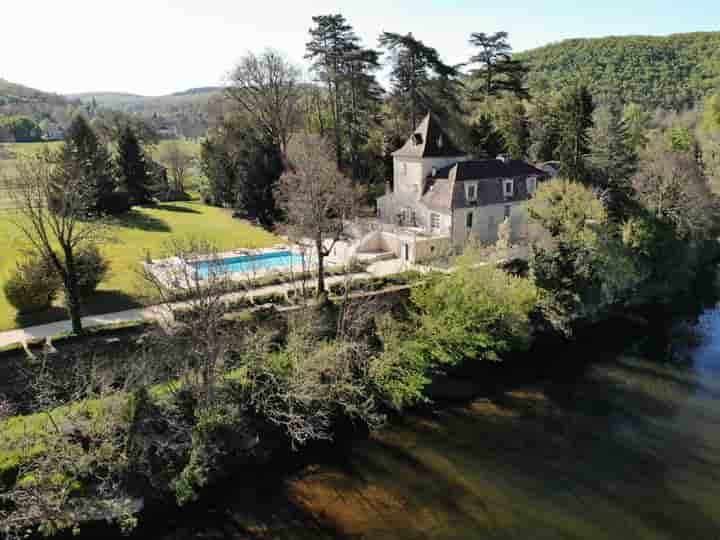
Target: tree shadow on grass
{"points": [[176, 208], [98, 304], [54, 314], [138, 220], [109, 302]]}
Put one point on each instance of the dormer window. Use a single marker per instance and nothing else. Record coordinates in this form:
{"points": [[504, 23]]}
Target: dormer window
{"points": [[508, 188], [471, 192], [417, 138], [531, 185]]}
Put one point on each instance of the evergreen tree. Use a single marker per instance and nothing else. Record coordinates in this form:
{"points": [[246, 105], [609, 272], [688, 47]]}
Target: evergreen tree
{"points": [[133, 167], [333, 40], [420, 78], [510, 120], [364, 96], [83, 156], [242, 169], [497, 71], [613, 160], [486, 141], [542, 130], [347, 69], [574, 118], [636, 120]]}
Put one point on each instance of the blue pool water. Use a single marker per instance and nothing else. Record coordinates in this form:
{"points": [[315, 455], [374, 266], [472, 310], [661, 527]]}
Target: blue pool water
{"points": [[252, 263]]}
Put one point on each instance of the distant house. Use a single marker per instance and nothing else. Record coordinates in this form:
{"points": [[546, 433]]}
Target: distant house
{"points": [[167, 131], [54, 133], [442, 199]]}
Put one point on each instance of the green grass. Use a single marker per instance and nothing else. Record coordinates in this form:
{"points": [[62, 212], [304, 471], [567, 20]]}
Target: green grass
{"points": [[24, 437], [132, 236]]}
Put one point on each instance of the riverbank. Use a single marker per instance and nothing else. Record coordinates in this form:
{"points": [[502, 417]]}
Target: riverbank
{"points": [[547, 377], [627, 447], [600, 439]]}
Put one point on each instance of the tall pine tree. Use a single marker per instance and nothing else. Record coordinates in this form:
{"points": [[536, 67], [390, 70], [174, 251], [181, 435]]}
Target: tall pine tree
{"points": [[348, 72], [497, 72], [420, 77], [86, 158], [133, 167], [613, 160], [332, 40], [574, 118]]}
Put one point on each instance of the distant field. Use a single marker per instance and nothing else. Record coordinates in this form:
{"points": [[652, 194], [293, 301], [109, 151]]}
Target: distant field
{"points": [[142, 230], [11, 152]]}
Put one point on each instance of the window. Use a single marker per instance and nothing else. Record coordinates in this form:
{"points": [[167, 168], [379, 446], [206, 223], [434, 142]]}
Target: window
{"points": [[469, 220], [435, 221], [403, 216], [471, 192], [508, 188], [413, 218], [508, 210], [531, 185]]}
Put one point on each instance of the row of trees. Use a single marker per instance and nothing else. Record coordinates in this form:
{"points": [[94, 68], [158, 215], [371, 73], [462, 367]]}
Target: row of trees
{"points": [[486, 104], [268, 105]]}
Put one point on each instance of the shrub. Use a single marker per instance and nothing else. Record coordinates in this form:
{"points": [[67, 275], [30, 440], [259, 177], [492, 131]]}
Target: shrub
{"points": [[474, 313], [32, 286], [92, 268]]}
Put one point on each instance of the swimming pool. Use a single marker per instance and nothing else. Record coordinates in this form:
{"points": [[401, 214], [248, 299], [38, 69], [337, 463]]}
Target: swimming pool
{"points": [[251, 263]]}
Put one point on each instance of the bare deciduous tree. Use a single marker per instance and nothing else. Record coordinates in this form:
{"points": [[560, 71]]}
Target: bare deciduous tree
{"points": [[672, 186], [316, 197], [178, 162], [193, 343], [52, 214], [265, 87]]}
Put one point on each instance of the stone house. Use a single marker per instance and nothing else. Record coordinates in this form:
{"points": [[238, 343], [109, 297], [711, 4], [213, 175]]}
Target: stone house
{"points": [[441, 199]]}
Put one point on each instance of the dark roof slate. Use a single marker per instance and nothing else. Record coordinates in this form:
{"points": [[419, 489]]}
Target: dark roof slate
{"points": [[495, 168], [429, 140], [446, 189]]}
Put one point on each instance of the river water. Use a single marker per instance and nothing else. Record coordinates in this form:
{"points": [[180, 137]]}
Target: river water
{"points": [[629, 449]]}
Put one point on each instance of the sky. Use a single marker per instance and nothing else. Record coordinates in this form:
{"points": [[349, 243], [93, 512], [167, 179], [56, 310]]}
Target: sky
{"points": [[155, 47]]}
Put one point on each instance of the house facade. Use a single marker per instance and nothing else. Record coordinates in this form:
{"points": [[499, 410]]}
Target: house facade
{"points": [[441, 198]]}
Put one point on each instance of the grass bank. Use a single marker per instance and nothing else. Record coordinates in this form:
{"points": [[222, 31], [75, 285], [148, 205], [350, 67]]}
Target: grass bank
{"points": [[144, 229]]}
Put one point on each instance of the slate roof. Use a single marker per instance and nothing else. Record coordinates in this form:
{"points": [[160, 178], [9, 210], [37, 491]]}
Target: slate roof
{"points": [[446, 189], [429, 140], [495, 168], [439, 195]]}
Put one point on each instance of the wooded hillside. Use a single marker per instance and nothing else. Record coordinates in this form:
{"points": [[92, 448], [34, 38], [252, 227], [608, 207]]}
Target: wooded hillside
{"points": [[670, 72]]}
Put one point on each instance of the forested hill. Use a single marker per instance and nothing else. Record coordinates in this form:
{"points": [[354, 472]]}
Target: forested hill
{"points": [[670, 72], [12, 94]]}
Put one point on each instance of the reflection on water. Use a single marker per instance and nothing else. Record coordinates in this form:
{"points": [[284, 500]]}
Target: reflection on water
{"points": [[632, 450]]}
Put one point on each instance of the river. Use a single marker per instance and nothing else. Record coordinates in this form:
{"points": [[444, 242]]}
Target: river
{"points": [[627, 449]]}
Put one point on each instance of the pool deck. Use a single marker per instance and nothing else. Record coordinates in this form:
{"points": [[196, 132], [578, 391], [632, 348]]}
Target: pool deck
{"points": [[157, 313], [175, 273]]}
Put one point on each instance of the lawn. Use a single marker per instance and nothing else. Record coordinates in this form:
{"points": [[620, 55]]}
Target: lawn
{"points": [[143, 230]]}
